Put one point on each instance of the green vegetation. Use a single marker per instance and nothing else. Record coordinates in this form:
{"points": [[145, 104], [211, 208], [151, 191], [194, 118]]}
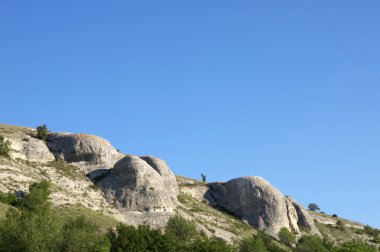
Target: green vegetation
{"points": [[286, 236], [42, 132], [340, 225], [11, 129], [312, 244], [371, 232], [313, 207], [201, 212], [181, 230], [254, 243], [3, 210], [105, 222], [33, 226], [7, 198], [4, 147], [29, 224], [66, 169], [355, 246], [203, 177]]}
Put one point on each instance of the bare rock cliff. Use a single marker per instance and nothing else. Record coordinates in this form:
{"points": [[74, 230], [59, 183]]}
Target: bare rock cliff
{"points": [[87, 151], [141, 184], [304, 218], [255, 200]]}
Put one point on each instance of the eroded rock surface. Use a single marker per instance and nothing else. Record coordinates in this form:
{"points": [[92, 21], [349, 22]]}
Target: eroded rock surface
{"points": [[88, 151], [304, 218], [255, 200], [29, 148], [141, 184]]}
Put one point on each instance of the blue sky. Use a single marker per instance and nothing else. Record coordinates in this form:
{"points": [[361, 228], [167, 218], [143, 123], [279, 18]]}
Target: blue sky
{"points": [[286, 90]]}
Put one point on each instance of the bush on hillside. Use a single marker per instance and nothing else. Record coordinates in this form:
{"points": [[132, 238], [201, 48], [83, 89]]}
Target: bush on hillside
{"points": [[4, 147], [313, 207], [32, 227], [355, 246], [129, 238], [203, 177], [311, 244], [181, 230], [286, 236], [8, 198], [81, 234], [253, 243], [37, 199], [42, 132]]}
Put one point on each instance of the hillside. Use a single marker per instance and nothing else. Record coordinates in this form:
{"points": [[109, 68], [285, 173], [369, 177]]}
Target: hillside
{"points": [[90, 177]]}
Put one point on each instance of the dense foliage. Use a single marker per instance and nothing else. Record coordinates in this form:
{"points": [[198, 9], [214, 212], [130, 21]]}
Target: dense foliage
{"points": [[286, 236], [32, 225]]}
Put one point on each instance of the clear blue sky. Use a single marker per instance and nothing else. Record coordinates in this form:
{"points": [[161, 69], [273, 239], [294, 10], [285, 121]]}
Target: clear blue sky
{"points": [[286, 90]]}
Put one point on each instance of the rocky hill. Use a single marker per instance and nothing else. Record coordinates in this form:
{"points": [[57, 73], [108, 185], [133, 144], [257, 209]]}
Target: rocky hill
{"points": [[86, 171]]}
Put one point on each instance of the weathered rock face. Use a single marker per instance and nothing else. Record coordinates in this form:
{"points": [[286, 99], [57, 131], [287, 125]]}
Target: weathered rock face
{"points": [[87, 150], [304, 218], [29, 148], [254, 199], [141, 184]]}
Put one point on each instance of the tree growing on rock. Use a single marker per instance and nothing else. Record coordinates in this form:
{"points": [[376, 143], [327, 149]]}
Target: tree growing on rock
{"points": [[4, 147], [313, 207], [42, 132], [203, 177]]}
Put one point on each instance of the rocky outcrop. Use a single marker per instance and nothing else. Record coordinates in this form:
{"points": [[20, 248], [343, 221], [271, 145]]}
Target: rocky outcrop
{"points": [[26, 147], [255, 200], [304, 218], [141, 184], [88, 151]]}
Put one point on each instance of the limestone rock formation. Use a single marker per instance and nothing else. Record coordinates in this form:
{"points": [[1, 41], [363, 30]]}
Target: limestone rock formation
{"points": [[88, 151], [141, 184], [255, 200], [25, 147], [304, 218]]}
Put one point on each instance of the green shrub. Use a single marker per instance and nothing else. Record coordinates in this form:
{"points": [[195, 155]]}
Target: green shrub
{"points": [[181, 230], [313, 207], [286, 236], [210, 245], [37, 199], [8, 198], [81, 234], [355, 246], [4, 147], [129, 238], [269, 242], [31, 227], [42, 132], [340, 225], [203, 177], [254, 243], [311, 244]]}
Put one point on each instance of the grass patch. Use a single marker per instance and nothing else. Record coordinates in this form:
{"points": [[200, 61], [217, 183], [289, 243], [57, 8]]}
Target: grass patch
{"points": [[218, 219], [68, 170], [104, 221], [12, 129], [187, 182], [3, 210]]}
